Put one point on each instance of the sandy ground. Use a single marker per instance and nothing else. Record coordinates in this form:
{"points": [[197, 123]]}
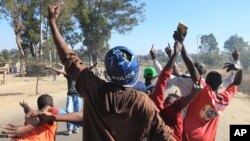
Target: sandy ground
{"points": [[18, 89]]}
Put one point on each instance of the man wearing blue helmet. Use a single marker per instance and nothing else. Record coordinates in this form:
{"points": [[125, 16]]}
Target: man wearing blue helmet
{"points": [[113, 111]]}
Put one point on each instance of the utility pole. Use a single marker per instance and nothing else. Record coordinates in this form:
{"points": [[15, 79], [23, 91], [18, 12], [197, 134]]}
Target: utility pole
{"points": [[197, 39]]}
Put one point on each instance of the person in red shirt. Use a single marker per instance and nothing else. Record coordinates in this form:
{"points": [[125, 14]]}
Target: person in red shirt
{"points": [[202, 117], [171, 108]]}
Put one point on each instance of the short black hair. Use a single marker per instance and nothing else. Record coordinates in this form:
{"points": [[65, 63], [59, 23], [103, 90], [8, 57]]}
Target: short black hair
{"points": [[214, 80], [44, 100], [200, 68]]}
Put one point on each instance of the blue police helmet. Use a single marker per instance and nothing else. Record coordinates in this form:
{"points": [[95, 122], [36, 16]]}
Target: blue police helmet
{"points": [[122, 66]]}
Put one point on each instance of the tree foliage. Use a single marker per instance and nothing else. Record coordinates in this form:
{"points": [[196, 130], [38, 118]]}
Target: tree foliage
{"points": [[88, 21], [31, 34], [209, 49], [97, 19], [13, 10], [235, 41], [9, 55], [238, 42], [208, 44], [245, 59]]}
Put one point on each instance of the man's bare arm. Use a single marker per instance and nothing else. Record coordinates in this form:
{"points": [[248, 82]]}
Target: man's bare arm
{"points": [[190, 65], [11, 130], [26, 107], [177, 48], [62, 47], [169, 52], [193, 94], [64, 51], [238, 77], [70, 117], [158, 94]]}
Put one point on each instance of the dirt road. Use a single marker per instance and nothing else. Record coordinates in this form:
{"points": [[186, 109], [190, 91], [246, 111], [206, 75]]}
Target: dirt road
{"points": [[238, 112], [18, 90], [17, 117]]}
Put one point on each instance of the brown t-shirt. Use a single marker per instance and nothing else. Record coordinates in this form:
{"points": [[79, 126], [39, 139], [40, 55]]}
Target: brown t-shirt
{"points": [[113, 112]]}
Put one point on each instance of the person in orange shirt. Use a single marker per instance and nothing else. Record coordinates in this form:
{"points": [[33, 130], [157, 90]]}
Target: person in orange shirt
{"points": [[46, 132]]}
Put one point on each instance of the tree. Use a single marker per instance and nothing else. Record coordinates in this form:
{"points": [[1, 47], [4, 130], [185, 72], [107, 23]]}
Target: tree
{"points": [[13, 55], [235, 41], [5, 54], [83, 53], [30, 19], [97, 18], [50, 53], [245, 59], [12, 10], [9, 55], [208, 44], [209, 49], [161, 56], [68, 30], [238, 42]]}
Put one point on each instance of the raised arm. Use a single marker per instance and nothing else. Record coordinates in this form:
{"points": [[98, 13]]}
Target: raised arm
{"points": [[12, 130], [169, 52], [238, 77], [156, 63], [229, 80], [179, 35], [158, 95], [190, 65], [193, 94], [231, 90], [25, 106], [65, 53]]}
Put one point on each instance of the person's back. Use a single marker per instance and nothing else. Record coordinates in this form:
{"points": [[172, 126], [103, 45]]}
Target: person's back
{"points": [[45, 132], [115, 112], [112, 111], [202, 117], [171, 108]]}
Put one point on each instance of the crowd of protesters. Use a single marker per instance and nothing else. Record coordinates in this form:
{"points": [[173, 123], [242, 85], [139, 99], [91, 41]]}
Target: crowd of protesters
{"points": [[125, 109]]}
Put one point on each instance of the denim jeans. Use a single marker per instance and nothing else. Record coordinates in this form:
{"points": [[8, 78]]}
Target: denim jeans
{"points": [[74, 104], [61, 112]]}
